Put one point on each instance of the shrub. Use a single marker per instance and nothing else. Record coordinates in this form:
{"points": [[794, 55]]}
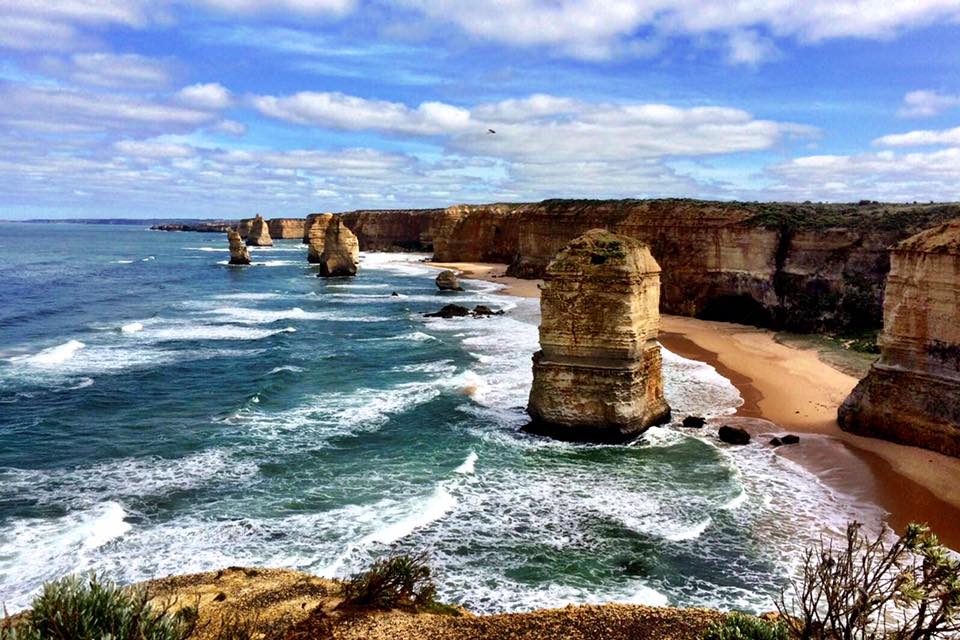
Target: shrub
{"points": [[397, 581], [866, 588], [90, 607], [737, 626]]}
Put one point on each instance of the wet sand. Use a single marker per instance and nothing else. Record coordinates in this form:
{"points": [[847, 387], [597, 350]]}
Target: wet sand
{"points": [[787, 389]]}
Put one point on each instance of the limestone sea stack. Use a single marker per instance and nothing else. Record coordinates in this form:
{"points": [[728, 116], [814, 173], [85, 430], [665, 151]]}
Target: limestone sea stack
{"points": [[239, 254], [341, 251], [316, 235], [912, 394], [259, 234], [447, 281], [597, 375]]}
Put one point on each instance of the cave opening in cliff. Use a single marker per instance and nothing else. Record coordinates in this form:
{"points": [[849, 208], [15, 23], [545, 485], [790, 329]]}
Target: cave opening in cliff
{"points": [[742, 308]]}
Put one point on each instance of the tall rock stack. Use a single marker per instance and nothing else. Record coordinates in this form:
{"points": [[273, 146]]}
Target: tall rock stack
{"points": [[239, 254], [259, 234], [912, 394], [317, 235], [341, 250], [597, 375]]}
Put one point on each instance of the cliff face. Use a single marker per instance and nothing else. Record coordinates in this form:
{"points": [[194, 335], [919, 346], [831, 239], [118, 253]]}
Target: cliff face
{"points": [[400, 230], [597, 375], [912, 394], [804, 267], [286, 228], [259, 234]]}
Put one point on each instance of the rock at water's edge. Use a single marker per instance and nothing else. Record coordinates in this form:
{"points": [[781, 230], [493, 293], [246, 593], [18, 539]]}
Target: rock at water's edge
{"points": [[597, 375], [694, 422], [239, 254], [733, 435], [341, 251], [447, 281]]}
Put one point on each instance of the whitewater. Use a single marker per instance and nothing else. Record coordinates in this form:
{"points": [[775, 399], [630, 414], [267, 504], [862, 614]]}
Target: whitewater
{"points": [[162, 412]]}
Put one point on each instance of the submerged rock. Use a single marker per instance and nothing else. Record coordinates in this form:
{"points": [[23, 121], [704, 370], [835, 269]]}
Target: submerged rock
{"points": [[790, 439], [733, 435], [597, 375], [341, 251], [694, 422], [484, 310], [447, 281], [239, 254], [912, 393], [449, 311], [259, 234]]}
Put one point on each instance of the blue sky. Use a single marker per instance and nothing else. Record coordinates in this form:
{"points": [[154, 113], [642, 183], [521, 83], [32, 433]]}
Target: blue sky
{"points": [[225, 108]]}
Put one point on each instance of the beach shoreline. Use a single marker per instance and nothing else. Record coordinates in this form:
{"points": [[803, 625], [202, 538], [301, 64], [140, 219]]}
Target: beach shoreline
{"points": [[790, 389]]}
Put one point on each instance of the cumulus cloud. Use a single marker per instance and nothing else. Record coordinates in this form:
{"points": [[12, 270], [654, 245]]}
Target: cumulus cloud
{"points": [[211, 95], [923, 103], [920, 138], [749, 48]]}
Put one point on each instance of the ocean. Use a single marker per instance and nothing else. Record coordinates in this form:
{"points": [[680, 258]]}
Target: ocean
{"points": [[162, 412]]}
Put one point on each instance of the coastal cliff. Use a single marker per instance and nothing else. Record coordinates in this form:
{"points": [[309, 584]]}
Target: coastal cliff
{"points": [[804, 267], [393, 230], [912, 394], [597, 375], [286, 228]]}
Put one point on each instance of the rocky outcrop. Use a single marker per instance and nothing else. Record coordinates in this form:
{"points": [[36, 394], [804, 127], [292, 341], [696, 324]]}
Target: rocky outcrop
{"points": [[239, 254], [341, 251], [447, 281], [201, 227], [806, 267], [259, 234], [397, 230], [317, 225], [243, 228], [597, 375], [733, 435], [286, 228], [912, 393]]}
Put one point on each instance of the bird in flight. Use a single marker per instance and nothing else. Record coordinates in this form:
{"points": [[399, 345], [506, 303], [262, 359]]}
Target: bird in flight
{"points": [[489, 131]]}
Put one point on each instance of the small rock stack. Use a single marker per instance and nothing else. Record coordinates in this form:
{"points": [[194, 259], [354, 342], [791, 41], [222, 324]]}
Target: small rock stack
{"points": [[316, 236], [447, 281], [259, 235], [239, 254], [597, 376], [341, 251]]}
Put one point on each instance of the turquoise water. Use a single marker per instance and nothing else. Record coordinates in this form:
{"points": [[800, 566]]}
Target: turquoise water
{"points": [[162, 412]]}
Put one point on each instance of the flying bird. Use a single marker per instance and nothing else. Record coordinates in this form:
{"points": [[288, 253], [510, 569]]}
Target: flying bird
{"points": [[489, 131]]}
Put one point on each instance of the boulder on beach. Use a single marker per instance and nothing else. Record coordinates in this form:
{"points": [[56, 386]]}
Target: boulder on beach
{"points": [[341, 250], [447, 281], [790, 439], [733, 435], [239, 254], [694, 422], [259, 235]]}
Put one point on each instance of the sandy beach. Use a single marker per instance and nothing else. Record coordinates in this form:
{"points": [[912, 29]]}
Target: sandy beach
{"points": [[789, 389]]}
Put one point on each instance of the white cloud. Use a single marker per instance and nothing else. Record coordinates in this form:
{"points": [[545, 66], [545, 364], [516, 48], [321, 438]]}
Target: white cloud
{"points": [[230, 127], [748, 47], [211, 95], [153, 149], [920, 138], [301, 7], [57, 25], [923, 103], [125, 71], [349, 112]]}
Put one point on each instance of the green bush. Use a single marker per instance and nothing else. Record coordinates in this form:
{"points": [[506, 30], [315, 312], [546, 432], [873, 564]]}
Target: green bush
{"points": [[90, 607], [737, 626], [397, 581]]}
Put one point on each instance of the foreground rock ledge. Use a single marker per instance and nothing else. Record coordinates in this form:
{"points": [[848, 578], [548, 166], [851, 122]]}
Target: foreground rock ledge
{"points": [[912, 394], [292, 605], [597, 375]]}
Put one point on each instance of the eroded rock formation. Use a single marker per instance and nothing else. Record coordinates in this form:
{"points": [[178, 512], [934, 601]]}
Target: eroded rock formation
{"points": [[341, 251], [244, 227], [447, 281], [397, 230], [286, 228], [912, 394], [239, 254], [316, 225], [597, 375], [259, 234]]}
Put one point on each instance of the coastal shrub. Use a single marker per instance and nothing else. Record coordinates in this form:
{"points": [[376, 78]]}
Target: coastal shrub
{"points": [[91, 607], [865, 588], [396, 581], [737, 626]]}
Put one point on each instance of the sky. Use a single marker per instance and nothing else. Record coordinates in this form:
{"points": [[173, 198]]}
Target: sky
{"points": [[227, 108]]}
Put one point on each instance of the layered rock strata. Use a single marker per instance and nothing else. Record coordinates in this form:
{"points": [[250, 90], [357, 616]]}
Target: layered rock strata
{"points": [[259, 234], [597, 375], [912, 394], [805, 267], [239, 254], [316, 235], [286, 228], [341, 251]]}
